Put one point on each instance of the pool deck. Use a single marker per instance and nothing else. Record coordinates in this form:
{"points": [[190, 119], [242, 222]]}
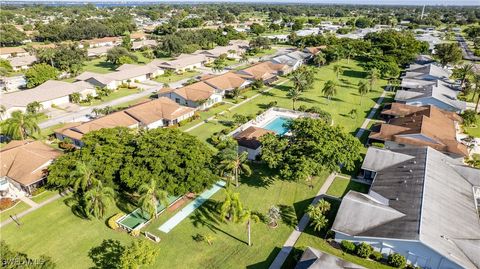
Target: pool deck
{"points": [[188, 209]]}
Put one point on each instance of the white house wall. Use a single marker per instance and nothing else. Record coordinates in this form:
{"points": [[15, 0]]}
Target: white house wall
{"points": [[416, 252]]}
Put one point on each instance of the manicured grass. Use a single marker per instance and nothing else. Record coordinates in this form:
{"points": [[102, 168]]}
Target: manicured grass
{"points": [[122, 92], [475, 130], [17, 209], [205, 115], [339, 106], [131, 103], [54, 230], [99, 65], [45, 195], [176, 77], [266, 52], [342, 186]]}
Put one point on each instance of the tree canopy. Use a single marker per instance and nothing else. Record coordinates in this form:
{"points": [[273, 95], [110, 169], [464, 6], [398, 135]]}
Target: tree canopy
{"points": [[39, 73], [314, 146]]}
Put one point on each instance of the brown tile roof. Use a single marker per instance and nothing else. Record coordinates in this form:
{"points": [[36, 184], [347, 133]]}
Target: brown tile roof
{"points": [[250, 137], [402, 110], [195, 92], [137, 35], [263, 71], [161, 108], [226, 81], [102, 40], [315, 50], [26, 161], [10, 50], [436, 127]]}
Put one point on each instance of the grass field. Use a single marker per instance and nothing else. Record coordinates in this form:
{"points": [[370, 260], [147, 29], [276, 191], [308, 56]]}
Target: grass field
{"points": [[45, 195], [176, 77], [54, 230], [99, 65], [17, 209], [475, 130], [122, 92], [341, 186]]}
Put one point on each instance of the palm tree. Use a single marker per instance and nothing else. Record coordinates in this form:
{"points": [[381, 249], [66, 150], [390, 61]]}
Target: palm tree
{"points": [[150, 197], [300, 81], [244, 58], [34, 107], [319, 222], [20, 125], [294, 94], [232, 207], [97, 200], [463, 72], [329, 89], [373, 77], [249, 217], [75, 97], [337, 69], [83, 176], [350, 52], [218, 65], [323, 206], [317, 214], [3, 110], [476, 90], [236, 163], [47, 54], [320, 59], [273, 216], [362, 90]]}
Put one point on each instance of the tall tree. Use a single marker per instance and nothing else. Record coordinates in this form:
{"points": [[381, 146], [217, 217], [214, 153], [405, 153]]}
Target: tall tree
{"points": [[20, 125], [373, 75], [236, 163], [34, 107], [97, 200], [39, 73], [319, 59], [337, 69], [231, 208], [362, 90], [476, 81], [448, 53], [150, 197], [294, 93], [140, 252], [329, 89], [83, 177], [248, 217], [462, 73]]}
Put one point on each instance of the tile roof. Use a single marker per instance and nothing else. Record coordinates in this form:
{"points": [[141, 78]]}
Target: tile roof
{"points": [[22, 61], [195, 92], [26, 161], [250, 137], [429, 126], [229, 80], [51, 89], [183, 61], [263, 70], [10, 50], [161, 108]]}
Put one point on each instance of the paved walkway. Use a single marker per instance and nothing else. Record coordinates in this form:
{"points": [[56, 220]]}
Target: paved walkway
{"points": [[234, 106], [293, 238], [31, 209], [28, 201]]}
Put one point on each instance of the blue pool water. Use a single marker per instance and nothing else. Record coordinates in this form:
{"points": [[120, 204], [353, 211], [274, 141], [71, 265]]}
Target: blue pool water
{"points": [[188, 209], [277, 125]]}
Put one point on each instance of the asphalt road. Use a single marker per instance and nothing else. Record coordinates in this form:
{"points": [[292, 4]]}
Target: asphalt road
{"points": [[467, 53]]}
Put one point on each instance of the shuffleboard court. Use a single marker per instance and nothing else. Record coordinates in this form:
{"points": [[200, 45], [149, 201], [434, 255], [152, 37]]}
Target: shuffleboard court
{"points": [[188, 209]]}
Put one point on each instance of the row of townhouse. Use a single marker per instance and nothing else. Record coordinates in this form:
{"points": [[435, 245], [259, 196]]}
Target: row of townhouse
{"points": [[423, 202]]}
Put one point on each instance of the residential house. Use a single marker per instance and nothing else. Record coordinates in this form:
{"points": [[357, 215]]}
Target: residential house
{"points": [[292, 60], [97, 52], [182, 63], [157, 113], [199, 95], [411, 126], [315, 259], [278, 38], [227, 82], [8, 52], [24, 165], [23, 62], [11, 84], [125, 73], [429, 72], [268, 72], [234, 50], [440, 94], [101, 42], [137, 45], [51, 93], [314, 50], [138, 36], [421, 204], [249, 141]]}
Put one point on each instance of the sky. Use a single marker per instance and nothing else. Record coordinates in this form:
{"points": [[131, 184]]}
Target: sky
{"points": [[360, 2]]}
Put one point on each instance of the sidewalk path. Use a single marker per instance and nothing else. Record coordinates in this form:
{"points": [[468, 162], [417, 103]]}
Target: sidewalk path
{"points": [[31, 209], [293, 238], [28, 201]]}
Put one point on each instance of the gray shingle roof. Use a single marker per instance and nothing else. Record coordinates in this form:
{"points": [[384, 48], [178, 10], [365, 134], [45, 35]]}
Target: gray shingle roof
{"points": [[316, 259]]}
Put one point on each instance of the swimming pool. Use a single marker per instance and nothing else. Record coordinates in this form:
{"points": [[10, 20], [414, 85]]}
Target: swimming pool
{"points": [[277, 125]]}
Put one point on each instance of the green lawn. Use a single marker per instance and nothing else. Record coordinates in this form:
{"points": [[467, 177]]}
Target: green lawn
{"points": [[99, 65], [341, 186], [122, 92], [475, 130], [339, 106], [17, 209], [45, 195], [265, 52], [176, 77], [54, 230]]}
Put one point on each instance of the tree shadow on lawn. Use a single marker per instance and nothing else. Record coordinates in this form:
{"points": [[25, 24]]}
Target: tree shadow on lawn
{"points": [[207, 215], [106, 65], [306, 100], [282, 87], [267, 94], [261, 177], [266, 263], [77, 206], [354, 74], [332, 99], [288, 215], [126, 202]]}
